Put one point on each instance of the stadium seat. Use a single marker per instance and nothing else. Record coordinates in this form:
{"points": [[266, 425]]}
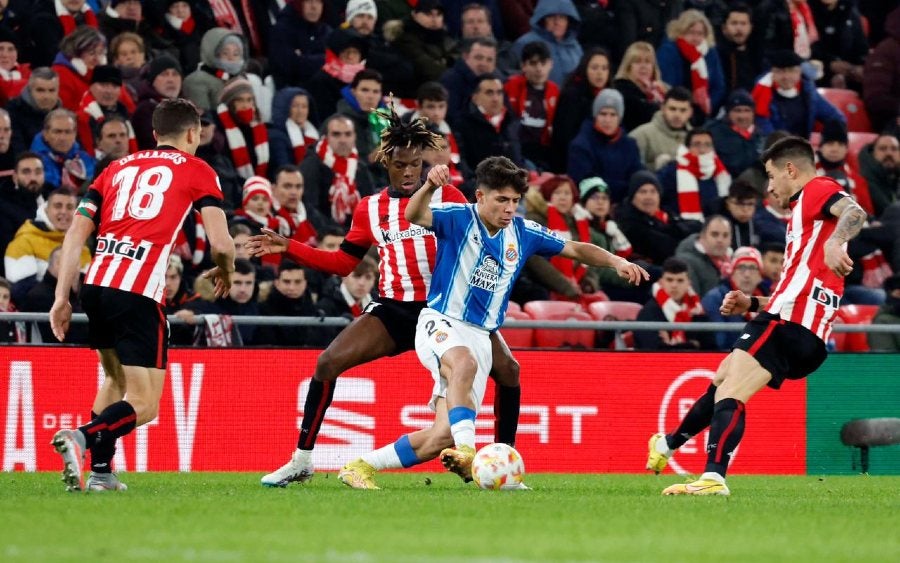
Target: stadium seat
{"points": [[851, 105], [856, 142], [513, 306], [854, 314], [588, 298], [558, 337], [617, 311], [518, 337]]}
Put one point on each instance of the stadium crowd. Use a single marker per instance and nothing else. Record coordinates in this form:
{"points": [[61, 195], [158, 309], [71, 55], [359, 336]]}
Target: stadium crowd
{"points": [[640, 121]]}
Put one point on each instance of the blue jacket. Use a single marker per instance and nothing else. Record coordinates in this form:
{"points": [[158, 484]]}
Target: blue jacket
{"points": [[280, 149], [676, 71], [296, 47], [821, 110], [52, 168], [711, 303], [593, 154], [565, 53]]}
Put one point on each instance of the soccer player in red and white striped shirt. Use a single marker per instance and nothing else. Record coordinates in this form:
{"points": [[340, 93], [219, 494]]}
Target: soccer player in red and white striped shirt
{"points": [[387, 327], [137, 206], [787, 339]]}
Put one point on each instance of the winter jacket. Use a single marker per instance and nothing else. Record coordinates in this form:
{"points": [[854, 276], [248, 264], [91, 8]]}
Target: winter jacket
{"points": [[884, 184], [656, 139], [281, 151], [676, 71], [841, 36], [201, 86], [142, 120], [614, 159], [881, 79], [638, 108], [516, 16], [40, 299], [645, 20], [818, 109], [460, 82], [17, 205], [52, 168], [297, 47], [651, 340], [735, 152], [27, 120], [72, 84], [565, 52], [575, 98], [478, 139], [431, 52], [277, 304], [703, 272], [711, 302], [740, 68], [28, 254], [317, 180]]}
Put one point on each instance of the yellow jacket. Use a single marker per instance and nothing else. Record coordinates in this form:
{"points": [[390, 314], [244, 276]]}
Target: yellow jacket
{"points": [[28, 254]]}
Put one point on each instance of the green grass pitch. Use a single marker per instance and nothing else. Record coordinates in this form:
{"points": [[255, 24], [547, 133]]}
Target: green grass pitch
{"points": [[230, 517]]}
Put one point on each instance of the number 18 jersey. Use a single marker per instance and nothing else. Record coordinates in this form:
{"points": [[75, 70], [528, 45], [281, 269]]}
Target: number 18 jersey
{"points": [[139, 203]]}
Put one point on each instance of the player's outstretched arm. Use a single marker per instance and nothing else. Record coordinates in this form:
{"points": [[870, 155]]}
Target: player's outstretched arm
{"points": [[221, 248], [737, 303], [70, 258], [851, 218], [335, 262], [269, 242], [417, 210], [593, 255]]}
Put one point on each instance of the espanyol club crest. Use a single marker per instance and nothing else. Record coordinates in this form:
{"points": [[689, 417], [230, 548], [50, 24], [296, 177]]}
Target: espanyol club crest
{"points": [[511, 254], [681, 394], [440, 336]]}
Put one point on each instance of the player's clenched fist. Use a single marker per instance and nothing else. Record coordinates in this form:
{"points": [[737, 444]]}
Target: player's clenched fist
{"points": [[439, 175]]}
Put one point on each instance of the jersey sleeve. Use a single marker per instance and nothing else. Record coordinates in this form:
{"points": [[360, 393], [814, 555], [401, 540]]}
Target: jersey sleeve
{"points": [[207, 190], [451, 194], [447, 218], [360, 234], [824, 193], [90, 203], [541, 240]]}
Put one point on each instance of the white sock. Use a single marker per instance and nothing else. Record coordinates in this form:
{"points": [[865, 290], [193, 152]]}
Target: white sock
{"points": [[384, 457], [662, 446], [713, 476], [463, 433], [304, 456]]}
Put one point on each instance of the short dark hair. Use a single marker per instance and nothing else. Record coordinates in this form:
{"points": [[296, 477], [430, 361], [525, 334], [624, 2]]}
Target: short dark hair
{"points": [[64, 191], [711, 219], [790, 148], [484, 77], [498, 172], [236, 229], [693, 133], [476, 6], [432, 91], [674, 265], [286, 168], [5, 283], [114, 118], [287, 265], [366, 266], [366, 74], [244, 266], [330, 230], [742, 189], [535, 50], [467, 44], [679, 94], [772, 246], [335, 117], [25, 155], [739, 7], [173, 117]]}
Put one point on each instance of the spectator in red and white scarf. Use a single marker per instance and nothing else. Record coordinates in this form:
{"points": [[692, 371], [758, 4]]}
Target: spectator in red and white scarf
{"points": [[292, 131], [696, 180], [831, 161], [102, 100], [13, 75], [640, 82], [746, 276], [345, 57], [79, 52], [335, 179], [50, 21], [673, 300], [287, 192], [737, 139], [245, 134], [184, 26], [688, 58], [444, 156]]}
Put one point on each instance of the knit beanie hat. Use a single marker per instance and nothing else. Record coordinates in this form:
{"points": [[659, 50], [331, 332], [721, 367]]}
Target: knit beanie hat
{"points": [[160, 64], [256, 185], [746, 254], [591, 185], [609, 98], [234, 88], [738, 98], [357, 7], [640, 178], [107, 74], [834, 131]]}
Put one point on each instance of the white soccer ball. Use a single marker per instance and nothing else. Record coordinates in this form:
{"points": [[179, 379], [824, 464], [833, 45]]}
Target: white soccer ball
{"points": [[498, 467]]}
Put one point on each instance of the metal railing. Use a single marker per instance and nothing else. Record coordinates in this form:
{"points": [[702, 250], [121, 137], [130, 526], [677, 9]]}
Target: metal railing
{"points": [[510, 323]]}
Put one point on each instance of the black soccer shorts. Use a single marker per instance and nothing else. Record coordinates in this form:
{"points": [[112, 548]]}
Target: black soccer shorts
{"points": [[399, 318], [785, 349], [133, 325]]}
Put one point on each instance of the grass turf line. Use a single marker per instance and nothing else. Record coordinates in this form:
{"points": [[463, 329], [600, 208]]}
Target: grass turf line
{"points": [[230, 517]]}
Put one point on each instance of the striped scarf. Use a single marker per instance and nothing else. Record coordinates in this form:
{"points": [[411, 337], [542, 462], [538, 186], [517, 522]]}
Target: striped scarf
{"points": [[182, 245], [67, 20], [677, 312], [690, 170], [762, 95], [342, 194], [89, 110], [185, 26], [556, 223], [302, 137], [238, 145], [699, 72], [804, 27]]}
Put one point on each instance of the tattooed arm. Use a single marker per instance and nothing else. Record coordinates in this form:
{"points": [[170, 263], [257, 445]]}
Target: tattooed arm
{"points": [[850, 221]]}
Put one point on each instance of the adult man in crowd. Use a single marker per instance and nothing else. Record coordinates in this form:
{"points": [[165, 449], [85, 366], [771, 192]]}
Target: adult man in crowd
{"points": [[288, 297], [879, 164], [740, 56], [65, 164], [31, 107], [20, 198], [659, 139], [737, 140], [479, 56], [707, 253], [746, 276], [287, 192], [162, 80]]}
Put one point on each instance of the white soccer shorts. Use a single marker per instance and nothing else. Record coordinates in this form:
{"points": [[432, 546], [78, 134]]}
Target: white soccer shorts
{"points": [[437, 333]]}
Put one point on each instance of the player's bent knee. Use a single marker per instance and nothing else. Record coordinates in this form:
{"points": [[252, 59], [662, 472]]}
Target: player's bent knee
{"points": [[506, 373], [328, 367]]}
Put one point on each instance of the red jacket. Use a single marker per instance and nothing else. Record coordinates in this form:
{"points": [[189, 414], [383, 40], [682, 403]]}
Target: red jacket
{"points": [[516, 88]]}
